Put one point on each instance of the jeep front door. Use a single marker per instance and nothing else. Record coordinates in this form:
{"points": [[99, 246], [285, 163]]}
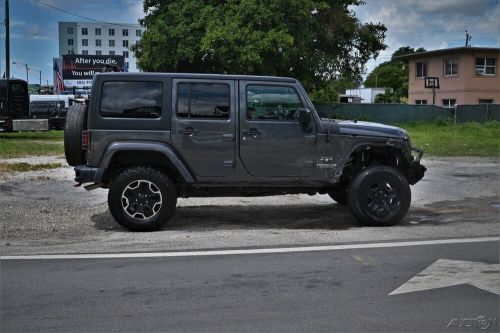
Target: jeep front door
{"points": [[272, 141], [204, 125]]}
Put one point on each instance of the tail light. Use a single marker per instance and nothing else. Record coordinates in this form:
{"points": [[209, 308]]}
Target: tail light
{"points": [[85, 140]]}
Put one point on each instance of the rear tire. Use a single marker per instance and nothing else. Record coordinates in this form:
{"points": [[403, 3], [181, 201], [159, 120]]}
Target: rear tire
{"points": [[379, 196], [76, 122], [142, 199]]}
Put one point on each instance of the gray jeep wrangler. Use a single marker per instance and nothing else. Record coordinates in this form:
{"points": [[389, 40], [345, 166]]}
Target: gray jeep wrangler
{"points": [[153, 137]]}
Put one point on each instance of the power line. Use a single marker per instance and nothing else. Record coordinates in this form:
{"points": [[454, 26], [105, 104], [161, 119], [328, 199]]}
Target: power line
{"points": [[83, 17]]}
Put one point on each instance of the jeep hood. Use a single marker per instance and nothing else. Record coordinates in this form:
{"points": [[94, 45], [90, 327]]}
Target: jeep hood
{"points": [[371, 129]]}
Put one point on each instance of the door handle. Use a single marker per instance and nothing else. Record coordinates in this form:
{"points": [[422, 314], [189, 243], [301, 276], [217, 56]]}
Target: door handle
{"points": [[253, 132], [189, 131]]}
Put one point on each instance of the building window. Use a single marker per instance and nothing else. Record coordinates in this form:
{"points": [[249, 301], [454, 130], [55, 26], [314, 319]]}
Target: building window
{"points": [[111, 42], [126, 64], [111, 32], [486, 66], [125, 43], [125, 54], [421, 102], [85, 42], [70, 41], [97, 42], [485, 101], [85, 52], [70, 30], [450, 67], [449, 103], [111, 52], [98, 52], [138, 33], [203, 100], [85, 31], [421, 69], [125, 32], [97, 31]]}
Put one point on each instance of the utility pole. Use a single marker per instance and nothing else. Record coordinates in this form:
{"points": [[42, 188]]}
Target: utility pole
{"points": [[7, 40]]}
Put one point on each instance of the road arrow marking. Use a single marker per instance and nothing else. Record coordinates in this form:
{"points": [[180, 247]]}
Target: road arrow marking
{"points": [[445, 273]]}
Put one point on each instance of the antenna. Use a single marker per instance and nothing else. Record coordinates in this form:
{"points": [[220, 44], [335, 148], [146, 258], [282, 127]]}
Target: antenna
{"points": [[468, 37]]}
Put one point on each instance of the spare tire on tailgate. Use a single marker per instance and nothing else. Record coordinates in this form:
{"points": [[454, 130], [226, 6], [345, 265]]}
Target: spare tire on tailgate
{"points": [[76, 122]]}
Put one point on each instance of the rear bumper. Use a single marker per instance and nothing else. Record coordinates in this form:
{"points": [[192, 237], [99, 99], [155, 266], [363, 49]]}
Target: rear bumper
{"points": [[86, 174]]}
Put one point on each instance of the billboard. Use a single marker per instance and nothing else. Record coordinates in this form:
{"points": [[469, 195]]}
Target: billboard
{"points": [[78, 69]]}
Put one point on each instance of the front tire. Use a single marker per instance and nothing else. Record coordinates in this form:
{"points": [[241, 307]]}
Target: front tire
{"points": [[142, 199], [379, 196], [340, 196]]}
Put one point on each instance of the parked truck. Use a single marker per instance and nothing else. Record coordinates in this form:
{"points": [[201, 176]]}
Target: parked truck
{"points": [[14, 102]]}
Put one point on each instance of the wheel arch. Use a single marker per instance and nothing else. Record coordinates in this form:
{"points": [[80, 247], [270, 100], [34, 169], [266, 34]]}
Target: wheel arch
{"points": [[136, 153], [363, 153]]}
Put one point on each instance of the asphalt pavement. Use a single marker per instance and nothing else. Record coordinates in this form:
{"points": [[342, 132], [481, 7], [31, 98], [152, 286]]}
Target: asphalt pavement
{"points": [[342, 289]]}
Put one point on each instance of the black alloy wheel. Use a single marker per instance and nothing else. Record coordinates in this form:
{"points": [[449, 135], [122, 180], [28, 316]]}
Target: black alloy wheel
{"points": [[142, 198], [379, 195]]}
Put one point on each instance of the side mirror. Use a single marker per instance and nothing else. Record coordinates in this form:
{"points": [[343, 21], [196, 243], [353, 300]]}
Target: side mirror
{"points": [[304, 118]]}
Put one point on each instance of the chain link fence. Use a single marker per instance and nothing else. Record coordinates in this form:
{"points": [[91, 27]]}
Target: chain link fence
{"points": [[479, 113], [408, 113]]}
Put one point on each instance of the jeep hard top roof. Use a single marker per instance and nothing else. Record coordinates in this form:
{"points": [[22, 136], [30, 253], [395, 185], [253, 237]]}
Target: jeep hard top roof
{"points": [[148, 75]]}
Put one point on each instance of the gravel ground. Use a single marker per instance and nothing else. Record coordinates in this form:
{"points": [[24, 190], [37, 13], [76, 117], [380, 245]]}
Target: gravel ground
{"points": [[43, 213]]}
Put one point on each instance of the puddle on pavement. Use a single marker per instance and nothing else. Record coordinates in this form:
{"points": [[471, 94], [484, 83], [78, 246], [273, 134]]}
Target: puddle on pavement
{"points": [[472, 209], [495, 205]]}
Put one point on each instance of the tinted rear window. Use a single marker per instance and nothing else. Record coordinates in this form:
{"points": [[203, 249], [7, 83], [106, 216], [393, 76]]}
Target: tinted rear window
{"points": [[203, 100], [131, 99]]}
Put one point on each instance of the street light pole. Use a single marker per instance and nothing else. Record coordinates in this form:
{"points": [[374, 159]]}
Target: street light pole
{"points": [[40, 78], [25, 65]]}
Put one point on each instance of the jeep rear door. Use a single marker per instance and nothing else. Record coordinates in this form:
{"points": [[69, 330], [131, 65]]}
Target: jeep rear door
{"points": [[272, 142], [204, 125]]}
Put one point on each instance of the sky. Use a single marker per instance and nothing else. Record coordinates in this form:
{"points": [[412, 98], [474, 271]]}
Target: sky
{"points": [[432, 24]]}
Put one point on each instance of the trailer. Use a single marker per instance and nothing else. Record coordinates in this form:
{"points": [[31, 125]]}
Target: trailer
{"points": [[51, 107]]}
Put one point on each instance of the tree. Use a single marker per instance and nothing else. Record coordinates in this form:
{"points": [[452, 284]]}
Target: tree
{"points": [[387, 97], [329, 92], [393, 74], [312, 40]]}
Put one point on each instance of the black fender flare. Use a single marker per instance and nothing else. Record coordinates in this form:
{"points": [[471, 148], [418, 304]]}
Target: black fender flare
{"points": [[150, 146], [373, 142]]}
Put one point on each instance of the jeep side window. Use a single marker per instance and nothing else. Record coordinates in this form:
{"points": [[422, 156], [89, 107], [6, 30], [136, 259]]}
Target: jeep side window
{"points": [[131, 99], [203, 100], [272, 103]]}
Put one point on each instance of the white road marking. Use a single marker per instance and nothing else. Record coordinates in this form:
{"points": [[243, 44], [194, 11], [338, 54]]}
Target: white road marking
{"points": [[445, 273], [250, 251]]}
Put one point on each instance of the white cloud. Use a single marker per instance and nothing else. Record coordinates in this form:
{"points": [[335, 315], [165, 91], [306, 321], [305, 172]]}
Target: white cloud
{"points": [[432, 24]]}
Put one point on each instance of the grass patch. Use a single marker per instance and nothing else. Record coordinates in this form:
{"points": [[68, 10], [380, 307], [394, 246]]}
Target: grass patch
{"points": [[24, 167], [444, 138], [31, 143]]}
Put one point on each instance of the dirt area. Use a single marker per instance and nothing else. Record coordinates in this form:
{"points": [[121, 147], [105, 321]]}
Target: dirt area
{"points": [[43, 213]]}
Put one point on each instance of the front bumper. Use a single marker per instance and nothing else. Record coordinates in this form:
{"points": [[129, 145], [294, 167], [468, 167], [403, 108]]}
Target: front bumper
{"points": [[417, 170], [86, 174]]}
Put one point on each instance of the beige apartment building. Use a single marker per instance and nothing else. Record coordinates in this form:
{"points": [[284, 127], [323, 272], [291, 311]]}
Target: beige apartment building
{"points": [[467, 75]]}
